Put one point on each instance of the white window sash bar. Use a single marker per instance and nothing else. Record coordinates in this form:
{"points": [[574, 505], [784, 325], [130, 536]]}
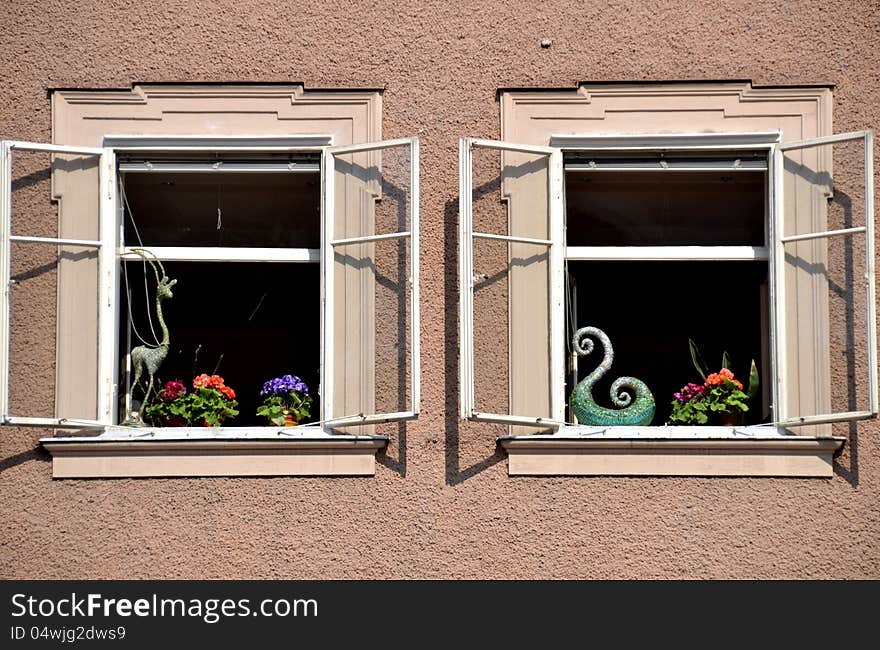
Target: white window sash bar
{"points": [[108, 304], [219, 254], [325, 386], [777, 278], [827, 139], [668, 253], [59, 423], [370, 238], [507, 146], [824, 235], [414, 281], [829, 418], [496, 418], [870, 272], [512, 239], [377, 418], [373, 146], [557, 285], [5, 274], [54, 148], [465, 276], [89, 243]]}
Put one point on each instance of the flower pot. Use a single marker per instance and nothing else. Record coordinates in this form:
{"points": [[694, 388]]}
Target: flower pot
{"points": [[289, 420], [729, 419]]}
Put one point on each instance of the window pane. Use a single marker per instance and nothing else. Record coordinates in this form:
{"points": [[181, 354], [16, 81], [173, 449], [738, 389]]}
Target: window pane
{"points": [[54, 292], [53, 333], [371, 334], [511, 284], [649, 310], [672, 208], [826, 352], [393, 337], [241, 209], [247, 322]]}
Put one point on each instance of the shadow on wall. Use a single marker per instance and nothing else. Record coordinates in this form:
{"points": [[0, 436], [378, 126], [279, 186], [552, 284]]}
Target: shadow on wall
{"points": [[37, 453], [847, 294], [454, 472]]}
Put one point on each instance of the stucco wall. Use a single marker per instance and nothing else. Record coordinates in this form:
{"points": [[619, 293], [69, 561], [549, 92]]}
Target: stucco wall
{"points": [[441, 503]]}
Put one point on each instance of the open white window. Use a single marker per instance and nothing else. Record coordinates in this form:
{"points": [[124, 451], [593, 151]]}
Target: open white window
{"points": [[370, 283], [511, 289], [825, 311], [285, 260], [753, 242], [56, 274]]}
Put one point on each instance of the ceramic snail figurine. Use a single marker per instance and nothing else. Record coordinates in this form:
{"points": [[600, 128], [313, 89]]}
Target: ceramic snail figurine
{"points": [[638, 412]]}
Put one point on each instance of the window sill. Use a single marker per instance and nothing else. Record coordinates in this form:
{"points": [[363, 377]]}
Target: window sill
{"points": [[670, 451], [220, 451]]}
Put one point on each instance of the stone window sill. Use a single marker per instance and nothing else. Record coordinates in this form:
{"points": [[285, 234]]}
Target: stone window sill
{"points": [[221, 451], [670, 451]]}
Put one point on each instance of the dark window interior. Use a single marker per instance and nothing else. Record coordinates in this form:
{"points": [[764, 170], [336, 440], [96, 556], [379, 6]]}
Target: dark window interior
{"points": [[681, 208], [650, 309], [247, 322], [255, 209]]}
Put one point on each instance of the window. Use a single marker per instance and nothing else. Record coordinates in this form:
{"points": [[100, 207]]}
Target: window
{"points": [[595, 228], [230, 217]]}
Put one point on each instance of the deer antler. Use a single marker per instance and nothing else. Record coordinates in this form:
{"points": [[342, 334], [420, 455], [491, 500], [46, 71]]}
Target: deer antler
{"points": [[143, 252]]}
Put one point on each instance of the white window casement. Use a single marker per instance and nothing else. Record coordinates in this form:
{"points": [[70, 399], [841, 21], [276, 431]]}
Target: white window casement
{"points": [[316, 239], [603, 226]]}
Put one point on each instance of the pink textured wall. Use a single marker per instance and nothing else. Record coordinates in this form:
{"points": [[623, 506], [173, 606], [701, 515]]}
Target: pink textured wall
{"points": [[441, 504]]}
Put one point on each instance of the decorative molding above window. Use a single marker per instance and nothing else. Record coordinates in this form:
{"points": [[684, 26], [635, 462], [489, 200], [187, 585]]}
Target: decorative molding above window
{"points": [[87, 116]]}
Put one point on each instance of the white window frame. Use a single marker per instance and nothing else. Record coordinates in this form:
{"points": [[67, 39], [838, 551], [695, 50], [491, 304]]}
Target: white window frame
{"points": [[106, 281], [555, 246], [768, 141], [328, 247], [783, 418], [113, 252]]}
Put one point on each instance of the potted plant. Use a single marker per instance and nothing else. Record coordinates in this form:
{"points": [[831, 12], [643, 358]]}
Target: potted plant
{"points": [[719, 400], [286, 401], [210, 403]]}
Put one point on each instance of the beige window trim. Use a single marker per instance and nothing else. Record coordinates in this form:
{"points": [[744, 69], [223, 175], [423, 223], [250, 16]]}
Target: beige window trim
{"points": [[234, 112], [535, 118], [223, 451], [577, 455]]}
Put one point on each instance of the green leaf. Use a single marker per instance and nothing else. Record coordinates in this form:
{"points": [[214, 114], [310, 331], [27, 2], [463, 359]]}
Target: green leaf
{"points": [[697, 359], [754, 381], [725, 360]]}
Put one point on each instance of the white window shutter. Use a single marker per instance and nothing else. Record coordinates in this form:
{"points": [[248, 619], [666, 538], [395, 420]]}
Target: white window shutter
{"points": [[57, 276], [370, 371], [511, 284], [823, 281]]}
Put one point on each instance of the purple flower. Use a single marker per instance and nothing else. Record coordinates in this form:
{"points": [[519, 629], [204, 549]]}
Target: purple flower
{"points": [[689, 392], [282, 386]]}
